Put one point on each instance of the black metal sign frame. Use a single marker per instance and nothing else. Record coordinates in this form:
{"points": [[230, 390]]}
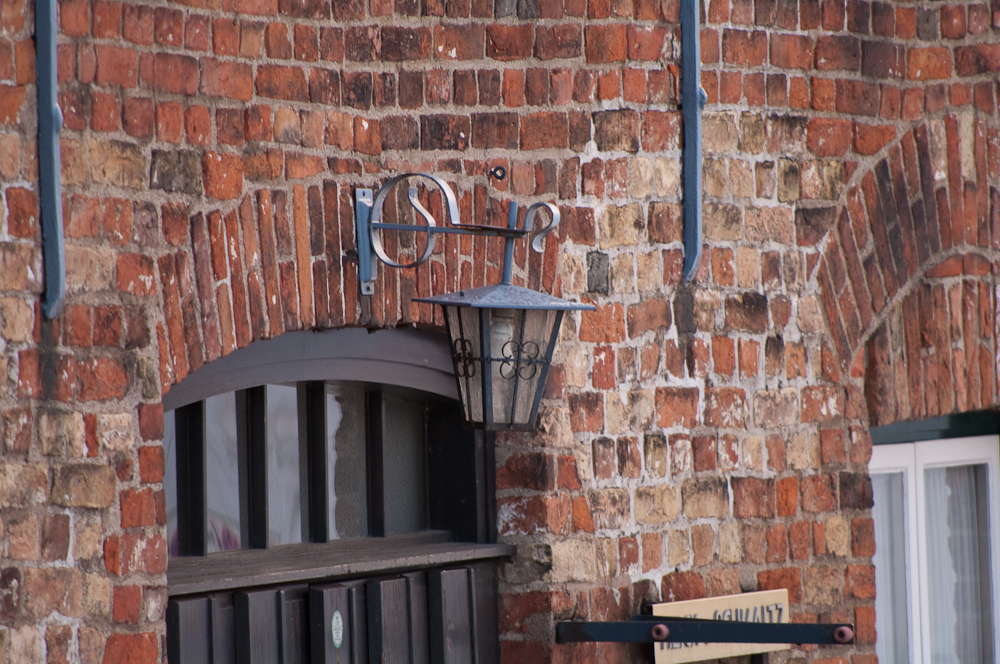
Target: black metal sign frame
{"points": [[660, 629]]}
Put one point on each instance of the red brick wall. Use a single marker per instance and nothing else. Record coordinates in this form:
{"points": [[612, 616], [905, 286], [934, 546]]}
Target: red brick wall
{"points": [[698, 439]]}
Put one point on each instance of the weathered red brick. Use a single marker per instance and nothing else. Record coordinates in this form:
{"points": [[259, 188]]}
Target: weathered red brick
{"points": [[660, 130], [863, 537], [789, 578], [558, 42], [828, 137], [859, 581], [127, 604], [705, 453], [869, 140], [645, 44], [137, 507], [743, 48], [791, 51], [118, 66], [168, 26], [617, 130], [753, 497], [444, 132], [459, 42], [544, 130], [278, 82], [587, 411], [401, 44], [151, 467], [306, 43], [650, 315], [924, 64], [172, 73], [73, 16], [725, 407], [837, 52], [131, 649], [508, 42], [605, 43], [681, 586], [221, 78], [299, 166], [819, 493], [527, 471], [978, 59], [137, 117], [821, 403], [857, 98], [223, 175], [143, 554], [606, 325], [135, 274], [22, 212]]}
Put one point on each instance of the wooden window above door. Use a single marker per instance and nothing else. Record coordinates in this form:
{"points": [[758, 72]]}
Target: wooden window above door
{"points": [[312, 479]]}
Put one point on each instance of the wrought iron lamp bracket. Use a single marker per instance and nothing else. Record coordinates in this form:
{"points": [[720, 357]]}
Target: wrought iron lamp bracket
{"points": [[368, 225]]}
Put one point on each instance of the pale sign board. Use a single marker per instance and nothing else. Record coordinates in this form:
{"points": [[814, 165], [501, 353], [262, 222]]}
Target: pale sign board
{"points": [[767, 606]]}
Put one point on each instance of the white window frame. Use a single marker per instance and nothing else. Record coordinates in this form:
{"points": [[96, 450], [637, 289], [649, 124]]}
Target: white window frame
{"points": [[911, 459]]}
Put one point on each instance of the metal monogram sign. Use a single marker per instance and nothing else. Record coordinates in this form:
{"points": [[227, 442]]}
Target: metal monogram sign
{"points": [[370, 227], [768, 606]]}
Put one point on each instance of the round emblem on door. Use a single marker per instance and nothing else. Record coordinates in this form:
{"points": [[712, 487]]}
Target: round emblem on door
{"points": [[337, 629]]}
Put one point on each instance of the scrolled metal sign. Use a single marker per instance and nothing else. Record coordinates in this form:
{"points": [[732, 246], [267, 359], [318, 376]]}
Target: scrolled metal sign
{"points": [[368, 218]]}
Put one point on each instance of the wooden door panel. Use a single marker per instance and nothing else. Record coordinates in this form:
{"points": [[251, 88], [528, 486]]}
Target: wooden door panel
{"points": [[452, 616], [294, 605], [388, 622], [258, 627], [223, 629], [349, 600], [189, 631], [416, 589], [484, 579], [438, 616]]}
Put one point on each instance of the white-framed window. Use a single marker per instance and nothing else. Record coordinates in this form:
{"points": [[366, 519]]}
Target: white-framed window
{"points": [[937, 550]]}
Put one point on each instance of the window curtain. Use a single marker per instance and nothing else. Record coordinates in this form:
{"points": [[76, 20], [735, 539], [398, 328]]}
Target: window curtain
{"points": [[892, 646], [959, 586]]}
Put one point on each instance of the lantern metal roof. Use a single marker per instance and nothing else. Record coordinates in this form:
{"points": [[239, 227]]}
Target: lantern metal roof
{"points": [[504, 296]]}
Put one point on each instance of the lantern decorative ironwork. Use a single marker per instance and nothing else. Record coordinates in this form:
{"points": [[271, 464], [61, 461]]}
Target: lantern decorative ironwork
{"points": [[502, 336]]}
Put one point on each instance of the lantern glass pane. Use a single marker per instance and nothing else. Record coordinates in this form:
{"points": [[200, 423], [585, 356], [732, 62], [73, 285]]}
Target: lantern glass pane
{"points": [[463, 326], [519, 339], [538, 329]]}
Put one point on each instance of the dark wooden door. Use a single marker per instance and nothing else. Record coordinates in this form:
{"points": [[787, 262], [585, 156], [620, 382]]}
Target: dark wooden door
{"points": [[433, 616]]}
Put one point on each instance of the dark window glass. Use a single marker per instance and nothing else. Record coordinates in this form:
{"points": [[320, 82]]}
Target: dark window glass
{"points": [[285, 499], [346, 441], [170, 480], [405, 467], [222, 485], [262, 448]]}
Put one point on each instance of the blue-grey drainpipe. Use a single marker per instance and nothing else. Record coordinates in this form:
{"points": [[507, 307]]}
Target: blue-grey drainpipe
{"points": [[50, 121], [693, 99]]}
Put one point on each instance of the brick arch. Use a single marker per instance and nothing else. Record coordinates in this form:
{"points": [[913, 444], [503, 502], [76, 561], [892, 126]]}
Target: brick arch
{"points": [[284, 259], [906, 274]]}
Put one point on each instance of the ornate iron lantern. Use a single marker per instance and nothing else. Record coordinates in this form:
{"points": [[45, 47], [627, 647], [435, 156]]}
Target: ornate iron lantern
{"points": [[502, 336]]}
